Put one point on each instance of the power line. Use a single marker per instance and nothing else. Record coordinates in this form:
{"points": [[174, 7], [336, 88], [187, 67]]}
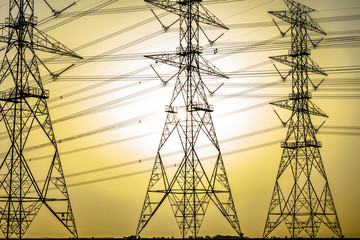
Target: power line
{"points": [[131, 9], [111, 167], [111, 127], [233, 74], [95, 58], [100, 41], [97, 7], [228, 48]]}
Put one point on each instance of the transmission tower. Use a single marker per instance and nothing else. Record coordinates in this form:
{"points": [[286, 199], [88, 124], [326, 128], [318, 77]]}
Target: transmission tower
{"points": [[191, 188], [305, 202], [23, 108]]}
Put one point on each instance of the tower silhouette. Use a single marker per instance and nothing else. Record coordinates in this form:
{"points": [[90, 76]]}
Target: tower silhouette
{"points": [[189, 115], [305, 202], [23, 108]]}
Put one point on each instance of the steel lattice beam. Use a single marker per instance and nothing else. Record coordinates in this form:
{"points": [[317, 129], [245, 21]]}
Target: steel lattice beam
{"points": [[174, 59], [191, 188], [23, 107], [307, 63], [303, 20], [205, 16], [299, 202]]}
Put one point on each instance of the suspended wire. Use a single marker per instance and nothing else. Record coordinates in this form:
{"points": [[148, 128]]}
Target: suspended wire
{"points": [[235, 74], [100, 56], [97, 85], [131, 9], [80, 114], [225, 48], [249, 9], [142, 160], [96, 146], [265, 143], [228, 48], [167, 166], [151, 19], [263, 24], [133, 121], [241, 94], [285, 96], [122, 77], [55, 16], [340, 133], [338, 9], [341, 18], [351, 41], [97, 58], [100, 11], [106, 106], [237, 151], [88, 60], [116, 78], [121, 31], [140, 8], [99, 6], [107, 178], [114, 34], [111, 127], [48, 78], [137, 94], [125, 99], [223, 115]]}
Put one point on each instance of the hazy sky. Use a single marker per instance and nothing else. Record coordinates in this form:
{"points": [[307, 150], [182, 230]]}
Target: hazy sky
{"points": [[110, 127]]}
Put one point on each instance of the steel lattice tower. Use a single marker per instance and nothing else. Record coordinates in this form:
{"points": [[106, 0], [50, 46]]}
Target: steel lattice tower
{"points": [[24, 107], [306, 202], [191, 188]]}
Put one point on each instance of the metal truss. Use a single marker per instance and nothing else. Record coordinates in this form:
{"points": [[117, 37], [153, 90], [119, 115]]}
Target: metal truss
{"points": [[191, 188], [23, 107], [305, 202]]}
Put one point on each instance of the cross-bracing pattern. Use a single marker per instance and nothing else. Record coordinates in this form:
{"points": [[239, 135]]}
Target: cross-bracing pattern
{"points": [[23, 110], [191, 188], [306, 202]]}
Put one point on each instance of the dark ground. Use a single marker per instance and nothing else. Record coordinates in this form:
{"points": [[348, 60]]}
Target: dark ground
{"points": [[200, 238]]}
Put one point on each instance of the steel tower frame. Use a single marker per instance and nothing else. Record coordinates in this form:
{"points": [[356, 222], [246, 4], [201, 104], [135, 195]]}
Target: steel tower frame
{"points": [[191, 188], [309, 202], [24, 108]]}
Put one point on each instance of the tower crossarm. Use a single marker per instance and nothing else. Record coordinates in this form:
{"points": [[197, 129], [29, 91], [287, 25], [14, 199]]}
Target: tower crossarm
{"points": [[208, 68], [296, 6], [173, 59], [305, 22], [45, 43], [308, 64], [12, 95], [290, 104], [40, 41], [205, 16], [295, 145]]}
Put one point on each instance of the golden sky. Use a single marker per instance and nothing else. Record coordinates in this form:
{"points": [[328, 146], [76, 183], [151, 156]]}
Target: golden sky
{"points": [[110, 126]]}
